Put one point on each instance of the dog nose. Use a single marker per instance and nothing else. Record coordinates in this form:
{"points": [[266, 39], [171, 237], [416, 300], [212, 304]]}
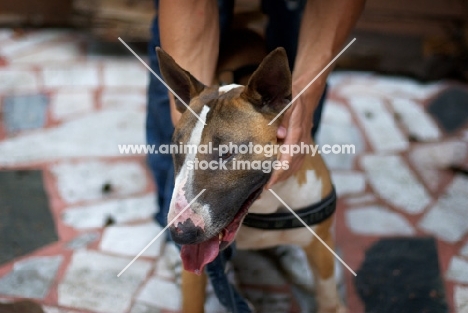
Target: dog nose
{"points": [[186, 233]]}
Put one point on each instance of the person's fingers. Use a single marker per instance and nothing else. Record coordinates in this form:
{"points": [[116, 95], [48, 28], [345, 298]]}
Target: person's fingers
{"points": [[292, 138], [282, 132]]}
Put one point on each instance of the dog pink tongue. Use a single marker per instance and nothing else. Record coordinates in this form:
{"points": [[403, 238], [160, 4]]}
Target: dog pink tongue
{"points": [[195, 257]]}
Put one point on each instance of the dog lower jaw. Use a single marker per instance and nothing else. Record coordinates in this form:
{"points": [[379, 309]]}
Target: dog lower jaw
{"points": [[195, 257]]}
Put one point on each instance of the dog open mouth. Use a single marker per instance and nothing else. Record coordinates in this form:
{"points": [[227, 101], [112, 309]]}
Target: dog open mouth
{"points": [[196, 256]]}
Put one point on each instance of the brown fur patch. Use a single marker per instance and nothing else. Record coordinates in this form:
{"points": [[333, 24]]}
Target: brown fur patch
{"points": [[320, 259], [193, 292]]}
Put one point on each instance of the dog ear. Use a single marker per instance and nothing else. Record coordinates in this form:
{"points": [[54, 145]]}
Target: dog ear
{"points": [[269, 87], [181, 81]]}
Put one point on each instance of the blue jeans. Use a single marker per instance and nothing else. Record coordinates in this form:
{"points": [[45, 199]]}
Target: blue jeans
{"points": [[282, 30]]}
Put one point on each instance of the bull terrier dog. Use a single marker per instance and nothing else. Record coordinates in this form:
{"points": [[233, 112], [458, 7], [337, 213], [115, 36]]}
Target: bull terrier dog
{"points": [[231, 207]]}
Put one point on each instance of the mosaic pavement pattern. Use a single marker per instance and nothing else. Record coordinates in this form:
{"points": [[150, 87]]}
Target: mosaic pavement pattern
{"points": [[64, 111]]}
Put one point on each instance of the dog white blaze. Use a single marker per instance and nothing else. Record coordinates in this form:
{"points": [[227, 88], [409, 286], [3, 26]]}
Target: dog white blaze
{"points": [[226, 88], [181, 180]]}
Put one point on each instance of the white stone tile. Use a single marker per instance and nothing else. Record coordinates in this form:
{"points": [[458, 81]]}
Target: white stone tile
{"points": [[116, 98], [339, 78], [360, 199], [336, 78], [361, 88], [161, 293], [143, 308], [403, 87], [447, 218], [416, 120], [464, 250], [84, 181], [461, 299], [125, 73], [91, 282], [65, 105], [458, 270], [377, 221], [391, 178], [169, 265], [121, 211], [27, 42], [336, 129], [131, 240], [335, 112], [56, 52], [430, 159], [5, 33], [71, 75], [347, 183], [344, 136], [380, 127], [387, 87], [15, 80], [31, 278], [93, 135]]}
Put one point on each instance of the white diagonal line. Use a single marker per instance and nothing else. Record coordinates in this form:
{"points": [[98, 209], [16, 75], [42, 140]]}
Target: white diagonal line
{"points": [[161, 80], [312, 81], [313, 233], [160, 233]]}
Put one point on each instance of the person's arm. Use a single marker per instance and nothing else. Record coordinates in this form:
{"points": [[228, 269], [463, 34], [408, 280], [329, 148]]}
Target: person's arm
{"points": [[189, 31], [325, 26]]}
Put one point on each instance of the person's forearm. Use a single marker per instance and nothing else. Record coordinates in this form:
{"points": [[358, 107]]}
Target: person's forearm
{"points": [[189, 31], [325, 26]]}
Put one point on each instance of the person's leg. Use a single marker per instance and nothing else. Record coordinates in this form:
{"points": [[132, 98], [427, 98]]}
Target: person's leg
{"points": [[284, 21], [159, 130]]}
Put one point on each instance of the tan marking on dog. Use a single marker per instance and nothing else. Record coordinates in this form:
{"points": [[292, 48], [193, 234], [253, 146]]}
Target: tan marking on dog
{"points": [[193, 292], [252, 238], [322, 264]]}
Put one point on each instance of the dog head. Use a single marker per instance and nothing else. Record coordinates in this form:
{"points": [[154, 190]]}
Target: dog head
{"points": [[220, 117]]}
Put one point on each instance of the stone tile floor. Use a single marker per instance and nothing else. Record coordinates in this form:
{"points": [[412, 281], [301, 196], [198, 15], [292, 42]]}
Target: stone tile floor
{"points": [[64, 111]]}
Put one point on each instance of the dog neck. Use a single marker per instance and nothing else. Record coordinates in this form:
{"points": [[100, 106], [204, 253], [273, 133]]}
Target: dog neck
{"points": [[309, 185], [315, 164]]}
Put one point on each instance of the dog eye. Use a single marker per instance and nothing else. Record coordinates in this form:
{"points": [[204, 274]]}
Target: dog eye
{"points": [[226, 156]]}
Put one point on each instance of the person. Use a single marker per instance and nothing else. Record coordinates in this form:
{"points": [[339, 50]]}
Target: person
{"points": [[312, 33]]}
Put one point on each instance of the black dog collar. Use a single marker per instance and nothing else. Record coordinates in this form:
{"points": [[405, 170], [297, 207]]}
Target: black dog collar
{"points": [[311, 215]]}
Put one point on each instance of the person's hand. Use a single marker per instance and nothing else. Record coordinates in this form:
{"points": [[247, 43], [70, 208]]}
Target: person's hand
{"points": [[296, 127]]}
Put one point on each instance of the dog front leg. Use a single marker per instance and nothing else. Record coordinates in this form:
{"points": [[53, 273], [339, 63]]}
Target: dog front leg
{"points": [[322, 263], [193, 292]]}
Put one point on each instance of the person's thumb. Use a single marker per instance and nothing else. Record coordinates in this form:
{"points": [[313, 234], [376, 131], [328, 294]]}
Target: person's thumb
{"points": [[283, 128]]}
